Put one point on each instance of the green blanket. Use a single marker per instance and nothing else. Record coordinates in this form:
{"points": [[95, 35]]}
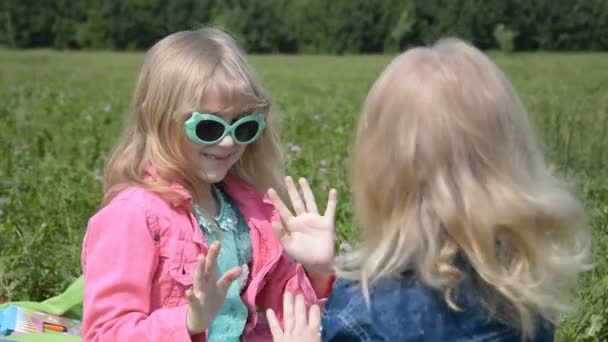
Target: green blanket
{"points": [[67, 304]]}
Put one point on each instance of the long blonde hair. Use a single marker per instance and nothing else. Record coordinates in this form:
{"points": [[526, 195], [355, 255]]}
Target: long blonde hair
{"points": [[446, 165], [178, 73]]}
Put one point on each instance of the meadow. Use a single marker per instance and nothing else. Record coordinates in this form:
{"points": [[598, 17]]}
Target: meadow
{"points": [[61, 112]]}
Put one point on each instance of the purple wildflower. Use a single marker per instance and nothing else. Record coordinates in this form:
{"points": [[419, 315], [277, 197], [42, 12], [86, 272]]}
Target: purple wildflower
{"points": [[345, 247]]}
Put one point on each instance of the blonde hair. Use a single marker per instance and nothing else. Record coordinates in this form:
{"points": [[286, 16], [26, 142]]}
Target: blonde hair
{"points": [[446, 166], [178, 73]]}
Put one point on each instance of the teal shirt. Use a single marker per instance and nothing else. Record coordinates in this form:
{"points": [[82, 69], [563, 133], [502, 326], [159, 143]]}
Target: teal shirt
{"points": [[236, 251]]}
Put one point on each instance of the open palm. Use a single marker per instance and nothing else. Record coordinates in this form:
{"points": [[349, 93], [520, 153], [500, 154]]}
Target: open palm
{"points": [[308, 237], [207, 295]]}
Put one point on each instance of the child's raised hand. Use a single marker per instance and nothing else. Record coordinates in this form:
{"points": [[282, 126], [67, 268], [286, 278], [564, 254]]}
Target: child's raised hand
{"points": [[309, 237], [299, 325], [207, 294]]}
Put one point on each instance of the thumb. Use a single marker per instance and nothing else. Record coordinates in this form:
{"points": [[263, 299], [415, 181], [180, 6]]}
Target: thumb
{"points": [[224, 283]]}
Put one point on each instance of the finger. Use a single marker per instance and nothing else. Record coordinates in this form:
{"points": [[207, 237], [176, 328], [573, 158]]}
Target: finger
{"points": [[199, 271], [300, 313], [226, 280], [309, 198], [294, 196], [284, 212], [275, 327], [211, 262], [332, 202], [288, 312], [314, 317]]}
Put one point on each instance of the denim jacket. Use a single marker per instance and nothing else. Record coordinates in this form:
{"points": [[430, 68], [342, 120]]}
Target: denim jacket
{"points": [[404, 309]]}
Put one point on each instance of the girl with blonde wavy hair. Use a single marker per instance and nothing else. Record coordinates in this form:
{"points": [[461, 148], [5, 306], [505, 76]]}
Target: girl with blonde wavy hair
{"points": [[190, 173], [466, 235]]}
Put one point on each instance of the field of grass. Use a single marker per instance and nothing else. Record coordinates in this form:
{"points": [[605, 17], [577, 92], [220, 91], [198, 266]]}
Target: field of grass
{"points": [[60, 113]]}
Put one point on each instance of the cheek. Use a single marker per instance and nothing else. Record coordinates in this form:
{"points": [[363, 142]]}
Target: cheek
{"points": [[240, 151], [194, 150]]}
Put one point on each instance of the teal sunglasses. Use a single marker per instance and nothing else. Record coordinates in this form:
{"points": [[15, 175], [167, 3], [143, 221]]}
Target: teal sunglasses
{"points": [[209, 129]]}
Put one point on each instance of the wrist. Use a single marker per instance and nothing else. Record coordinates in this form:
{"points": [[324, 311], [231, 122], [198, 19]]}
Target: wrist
{"points": [[322, 270], [320, 274], [195, 324], [321, 279]]}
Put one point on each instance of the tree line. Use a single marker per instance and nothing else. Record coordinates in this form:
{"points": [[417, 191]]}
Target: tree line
{"points": [[309, 26]]}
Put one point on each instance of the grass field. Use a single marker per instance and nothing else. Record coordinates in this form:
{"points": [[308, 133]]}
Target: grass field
{"points": [[60, 113]]}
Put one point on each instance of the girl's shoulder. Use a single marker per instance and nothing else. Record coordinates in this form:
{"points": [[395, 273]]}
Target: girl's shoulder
{"points": [[399, 293], [135, 211], [393, 304], [134, 201], [406, 301], [136, 198]]}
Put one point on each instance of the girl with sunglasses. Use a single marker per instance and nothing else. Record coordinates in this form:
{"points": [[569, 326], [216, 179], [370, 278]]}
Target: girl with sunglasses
{"points": [[190, 173], [466, 233]]}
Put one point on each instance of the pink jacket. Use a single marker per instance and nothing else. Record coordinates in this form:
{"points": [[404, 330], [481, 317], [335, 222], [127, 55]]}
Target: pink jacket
{"points": [[138, 257]]}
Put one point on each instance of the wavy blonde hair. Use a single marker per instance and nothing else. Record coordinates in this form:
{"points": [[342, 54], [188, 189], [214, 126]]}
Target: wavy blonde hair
{"points": [[177, 74], [446, 164]]}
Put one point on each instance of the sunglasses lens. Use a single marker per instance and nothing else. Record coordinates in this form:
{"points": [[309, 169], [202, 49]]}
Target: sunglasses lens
{"points": [[246, 131], [209, 130]]}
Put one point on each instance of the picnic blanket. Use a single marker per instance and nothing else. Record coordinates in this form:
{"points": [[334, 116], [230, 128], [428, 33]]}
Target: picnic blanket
{"points": [[67, 304]]}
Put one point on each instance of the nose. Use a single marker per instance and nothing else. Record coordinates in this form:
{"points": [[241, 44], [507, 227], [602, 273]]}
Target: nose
{"points": [[227, 141]]}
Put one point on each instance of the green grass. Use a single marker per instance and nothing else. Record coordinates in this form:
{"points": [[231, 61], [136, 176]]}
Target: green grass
{"points": [[60, 113]]}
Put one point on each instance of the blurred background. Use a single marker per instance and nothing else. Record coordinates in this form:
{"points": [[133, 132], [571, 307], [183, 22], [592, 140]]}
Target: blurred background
{"points": [[68, 68]]}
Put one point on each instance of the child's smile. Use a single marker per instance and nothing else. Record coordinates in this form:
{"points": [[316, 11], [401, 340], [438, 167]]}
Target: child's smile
{"points": [[217, 157]]}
